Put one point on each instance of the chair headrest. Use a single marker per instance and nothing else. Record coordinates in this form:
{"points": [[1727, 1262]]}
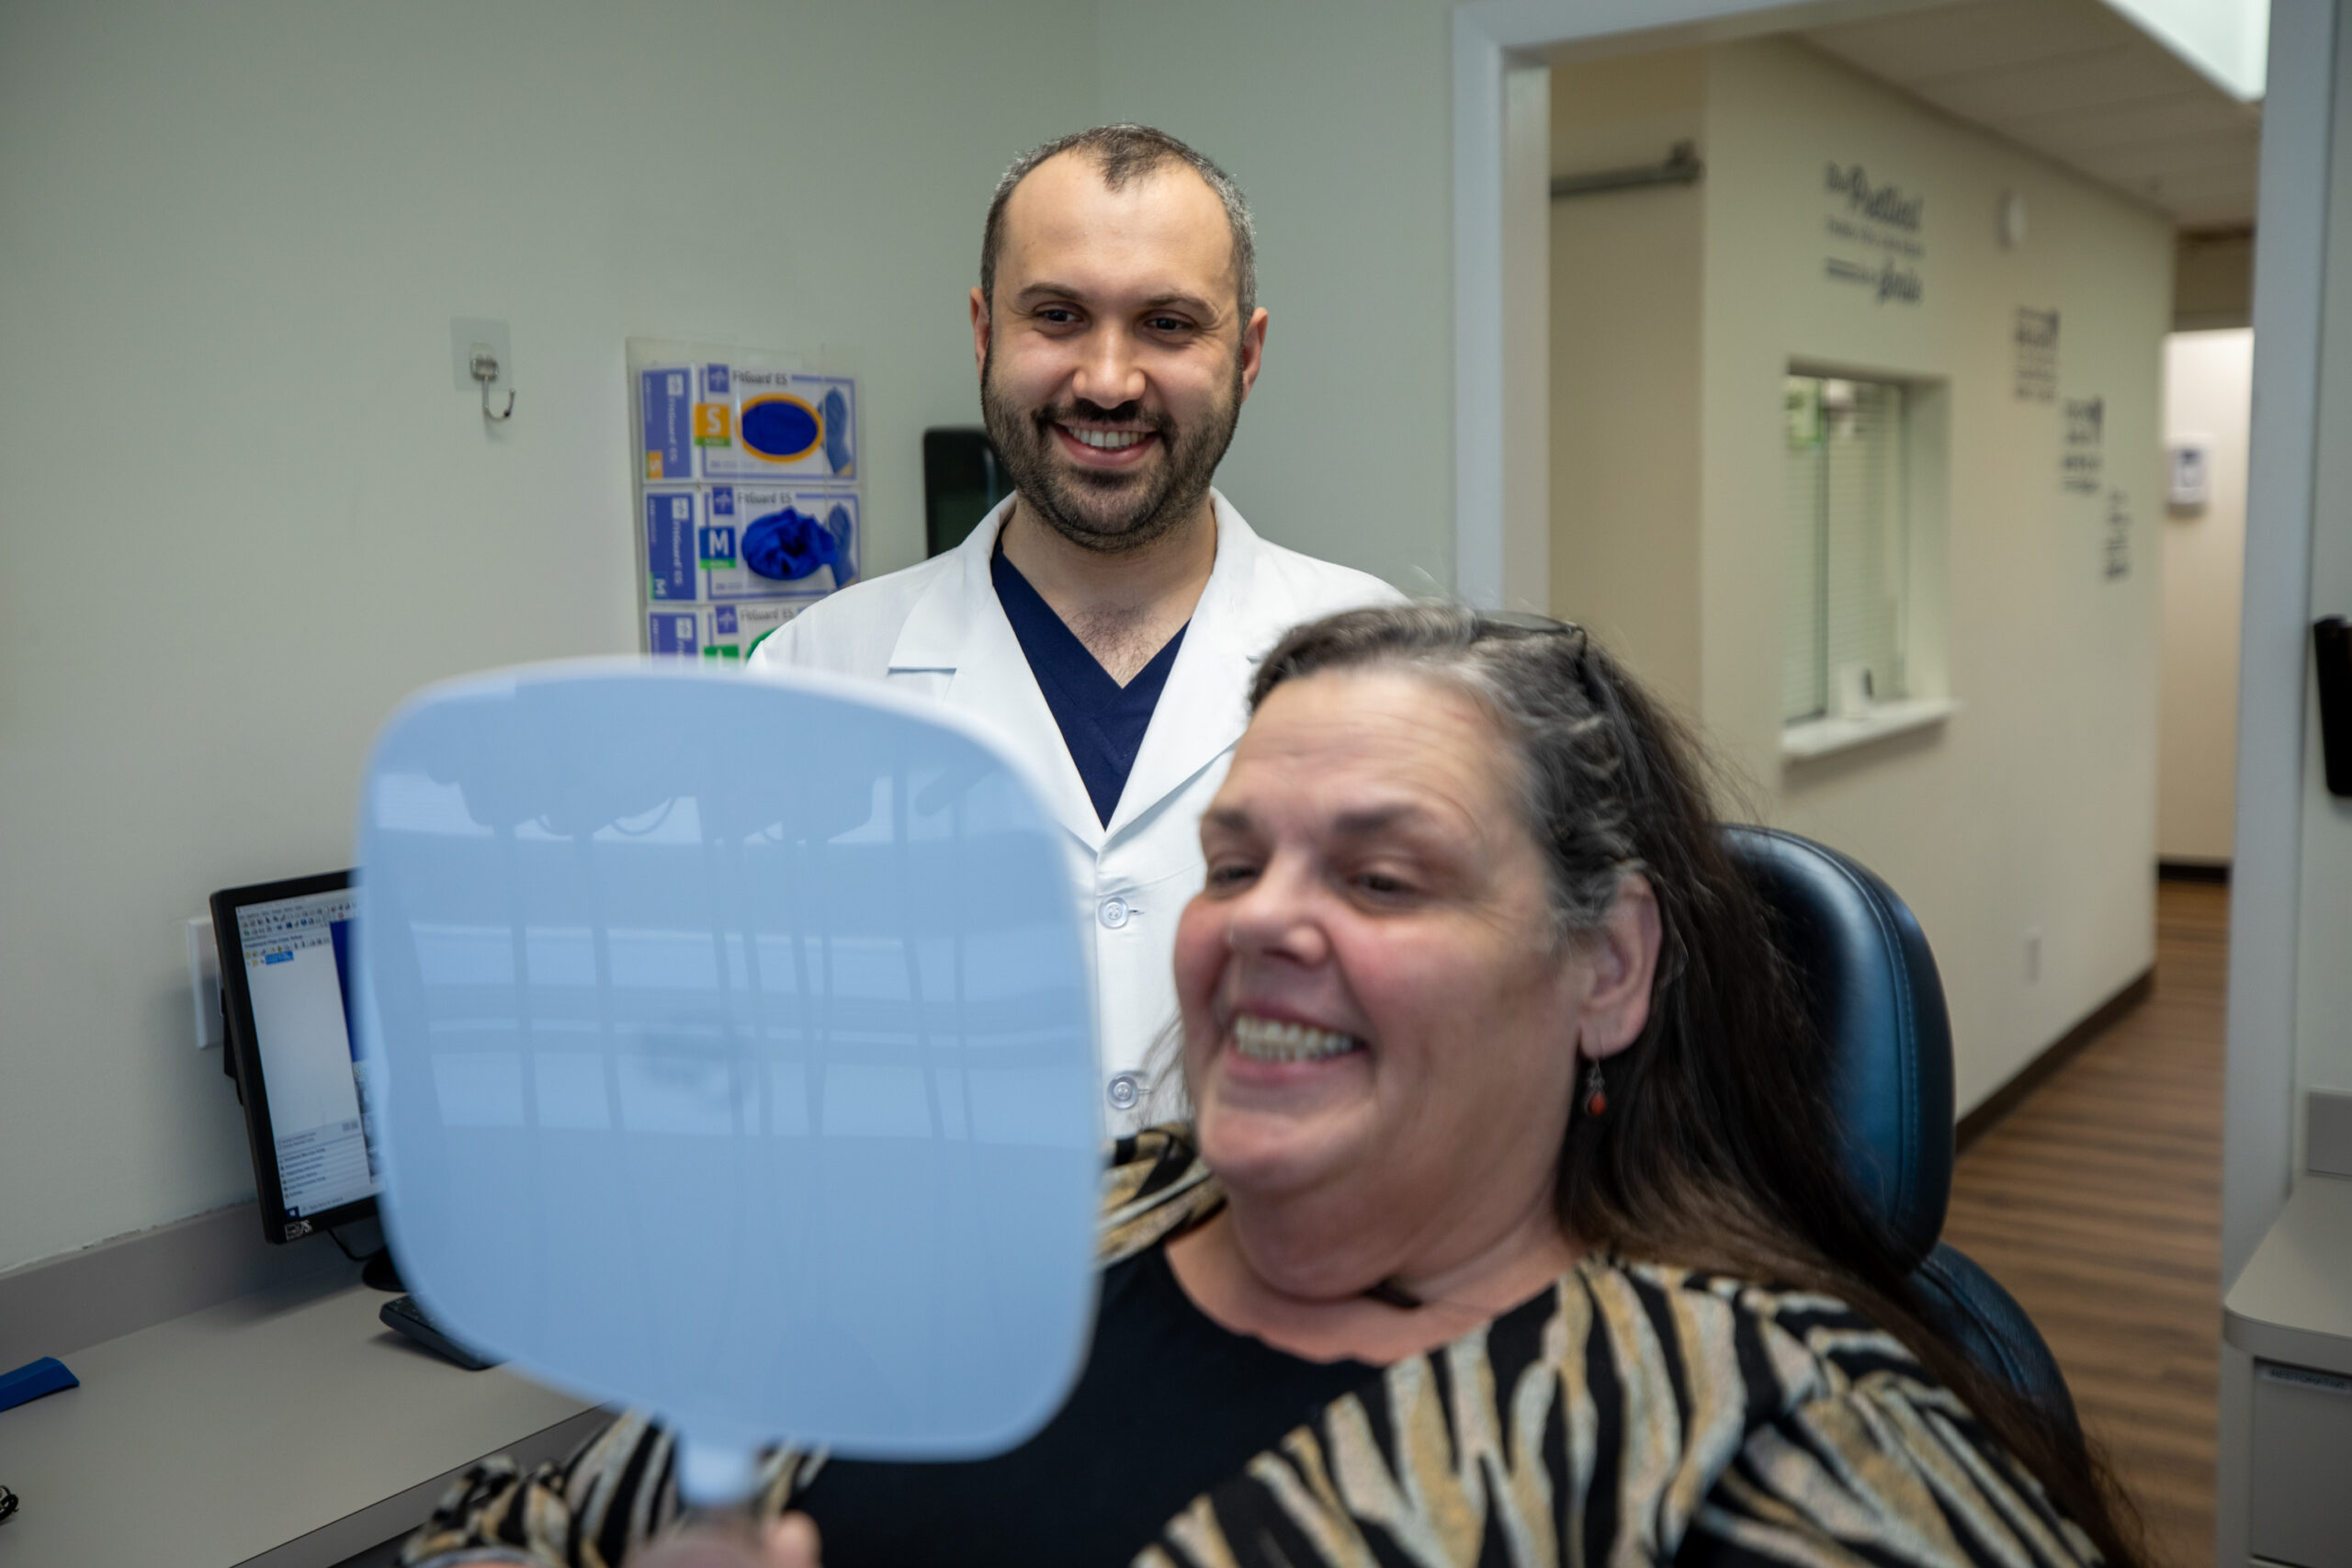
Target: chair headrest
{"points": [[1871, 988]]}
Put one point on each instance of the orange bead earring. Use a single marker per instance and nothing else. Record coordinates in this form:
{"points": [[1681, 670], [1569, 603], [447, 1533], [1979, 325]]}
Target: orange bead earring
{"points": [[1596, 1093]]}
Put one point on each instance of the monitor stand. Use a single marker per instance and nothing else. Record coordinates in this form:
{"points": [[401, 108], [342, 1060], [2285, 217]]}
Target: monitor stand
{"points": [[382, 1273]]}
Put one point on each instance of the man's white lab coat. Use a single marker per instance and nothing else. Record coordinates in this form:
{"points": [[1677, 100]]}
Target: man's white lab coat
{"points": [[938, 630]]}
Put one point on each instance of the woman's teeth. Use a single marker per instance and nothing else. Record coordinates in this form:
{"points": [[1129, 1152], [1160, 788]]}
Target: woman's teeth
{"points": [[1109, 440], [1265, 1039]]}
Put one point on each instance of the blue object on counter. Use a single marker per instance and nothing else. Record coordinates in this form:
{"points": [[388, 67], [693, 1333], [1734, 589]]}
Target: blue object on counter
{"points": [[34, 1379]]}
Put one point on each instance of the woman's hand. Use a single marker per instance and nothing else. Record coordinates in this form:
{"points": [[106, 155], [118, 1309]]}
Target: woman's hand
{"points": [[787, 1542]]}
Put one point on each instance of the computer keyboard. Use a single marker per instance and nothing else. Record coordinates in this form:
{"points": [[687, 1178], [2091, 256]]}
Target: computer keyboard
{"points": [[403, 1315]]}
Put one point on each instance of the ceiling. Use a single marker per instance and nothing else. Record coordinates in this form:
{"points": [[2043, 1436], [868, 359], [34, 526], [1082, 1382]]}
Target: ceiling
{"points": [[2073, 80]]}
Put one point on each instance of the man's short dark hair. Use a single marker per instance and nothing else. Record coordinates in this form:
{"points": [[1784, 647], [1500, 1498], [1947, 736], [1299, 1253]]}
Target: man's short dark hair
{"points": [[1121, 153]]}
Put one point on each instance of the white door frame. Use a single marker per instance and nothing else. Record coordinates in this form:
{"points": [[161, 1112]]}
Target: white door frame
{"points": [[2265, 877], [1502, 235], [2302, 135]]}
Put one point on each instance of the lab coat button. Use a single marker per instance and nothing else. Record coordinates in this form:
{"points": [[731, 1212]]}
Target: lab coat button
{"points": [[1125, 1089], [1114, 912]]}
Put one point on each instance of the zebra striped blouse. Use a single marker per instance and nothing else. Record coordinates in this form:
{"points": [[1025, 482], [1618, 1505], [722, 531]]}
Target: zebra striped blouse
{"points": [[1636, 1414]]}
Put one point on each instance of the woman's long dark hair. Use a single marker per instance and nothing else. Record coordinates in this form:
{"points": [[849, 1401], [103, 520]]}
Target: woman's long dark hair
{"points": [[1717, 1149]]}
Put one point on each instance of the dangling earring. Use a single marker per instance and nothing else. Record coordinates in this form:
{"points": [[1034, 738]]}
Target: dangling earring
{"points": [[1596, 1093]]}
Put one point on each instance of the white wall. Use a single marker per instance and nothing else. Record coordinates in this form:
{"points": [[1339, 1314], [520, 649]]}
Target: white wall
{"points": [[1335, 120], [2208, 393], [1626, 331], [2033, 807], [243, 512], [242, 509], [269, 211]]}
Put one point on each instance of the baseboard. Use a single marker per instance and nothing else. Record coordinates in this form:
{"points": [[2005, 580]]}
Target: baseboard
{"points": [[1995, 1106], [2193, 871]]}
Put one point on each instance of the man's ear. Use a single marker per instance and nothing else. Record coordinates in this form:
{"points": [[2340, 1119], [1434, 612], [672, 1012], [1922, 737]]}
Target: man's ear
{"points": [[1623, 956], [1253, 349], [980, 329]]}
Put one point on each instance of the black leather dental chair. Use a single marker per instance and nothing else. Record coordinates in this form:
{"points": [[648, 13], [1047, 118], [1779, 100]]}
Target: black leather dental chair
{"points": [[1871, 986]]}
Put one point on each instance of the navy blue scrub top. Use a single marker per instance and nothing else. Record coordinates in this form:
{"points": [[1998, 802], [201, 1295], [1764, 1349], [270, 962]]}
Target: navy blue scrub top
{"points": [[1101, 722]]}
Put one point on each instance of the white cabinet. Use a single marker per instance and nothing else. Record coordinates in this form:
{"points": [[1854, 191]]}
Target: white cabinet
{"points": [[2302, 1486], [2291, 1310]]}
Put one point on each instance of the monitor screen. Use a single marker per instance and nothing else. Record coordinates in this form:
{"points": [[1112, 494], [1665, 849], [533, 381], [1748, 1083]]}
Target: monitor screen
{"points": [[286, 970]]}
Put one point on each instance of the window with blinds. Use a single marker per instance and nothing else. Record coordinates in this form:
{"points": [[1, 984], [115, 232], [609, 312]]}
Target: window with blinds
{"points": [[1847, 566]]}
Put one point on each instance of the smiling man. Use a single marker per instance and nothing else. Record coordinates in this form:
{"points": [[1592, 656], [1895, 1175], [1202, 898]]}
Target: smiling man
{"points": [[1107, 616]]}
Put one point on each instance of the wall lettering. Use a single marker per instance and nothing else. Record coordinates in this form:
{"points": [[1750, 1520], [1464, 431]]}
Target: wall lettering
{"points": [[1879, 204], [2083, 459], [1874, 234], [2036, 337]]}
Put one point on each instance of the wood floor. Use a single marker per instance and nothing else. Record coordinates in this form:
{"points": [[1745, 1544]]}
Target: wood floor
{"points": [[2099, 1204]]}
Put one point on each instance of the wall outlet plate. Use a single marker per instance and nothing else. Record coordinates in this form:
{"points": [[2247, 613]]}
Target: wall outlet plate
{"points": [[465, 331], [2189, 467]]}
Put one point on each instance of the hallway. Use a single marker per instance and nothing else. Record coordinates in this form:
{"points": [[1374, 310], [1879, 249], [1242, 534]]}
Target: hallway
{"points": [[2098, 1204]]}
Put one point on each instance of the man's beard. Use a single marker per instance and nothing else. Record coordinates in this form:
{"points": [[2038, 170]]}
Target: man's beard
{"points": [[1107, 512]]}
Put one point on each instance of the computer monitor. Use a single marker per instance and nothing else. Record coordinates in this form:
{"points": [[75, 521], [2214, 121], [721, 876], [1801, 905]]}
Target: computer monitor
{"points": [[287, 971]]}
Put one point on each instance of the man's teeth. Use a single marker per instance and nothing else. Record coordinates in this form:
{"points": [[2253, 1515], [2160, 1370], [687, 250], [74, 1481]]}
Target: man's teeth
{"points": [[1265, 1039], [1109, 440]]}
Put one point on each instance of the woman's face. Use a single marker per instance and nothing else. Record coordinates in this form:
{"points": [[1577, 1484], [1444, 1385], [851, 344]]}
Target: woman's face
{"points": [[1377, 1013]]}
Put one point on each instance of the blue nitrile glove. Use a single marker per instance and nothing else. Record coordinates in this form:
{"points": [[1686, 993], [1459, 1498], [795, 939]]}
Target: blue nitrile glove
{"points": [[789, 545], [838, 525], [837, 452]]}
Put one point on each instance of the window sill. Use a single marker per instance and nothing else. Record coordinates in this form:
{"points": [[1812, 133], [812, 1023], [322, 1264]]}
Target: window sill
{"points": [[1825, 736]]}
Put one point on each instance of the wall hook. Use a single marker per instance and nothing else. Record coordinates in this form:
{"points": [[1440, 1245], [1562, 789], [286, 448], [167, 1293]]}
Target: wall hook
{"points": [[485, 370]]}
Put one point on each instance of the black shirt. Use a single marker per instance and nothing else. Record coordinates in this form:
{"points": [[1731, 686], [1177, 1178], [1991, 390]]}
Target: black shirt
{"points": [[1102, 723], [1169, 1405]]}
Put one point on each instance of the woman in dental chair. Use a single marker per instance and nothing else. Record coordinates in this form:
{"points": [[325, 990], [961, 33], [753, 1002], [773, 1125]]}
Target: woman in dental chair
{"points": [[1504, 1228]]}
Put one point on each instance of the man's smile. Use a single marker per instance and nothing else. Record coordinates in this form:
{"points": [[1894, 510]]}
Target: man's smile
{"points": [[1094, 447]]}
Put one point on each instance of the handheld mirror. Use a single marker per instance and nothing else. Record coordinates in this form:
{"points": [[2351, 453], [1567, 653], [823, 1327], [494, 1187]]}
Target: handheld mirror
{"points": [[730, 1056]]}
